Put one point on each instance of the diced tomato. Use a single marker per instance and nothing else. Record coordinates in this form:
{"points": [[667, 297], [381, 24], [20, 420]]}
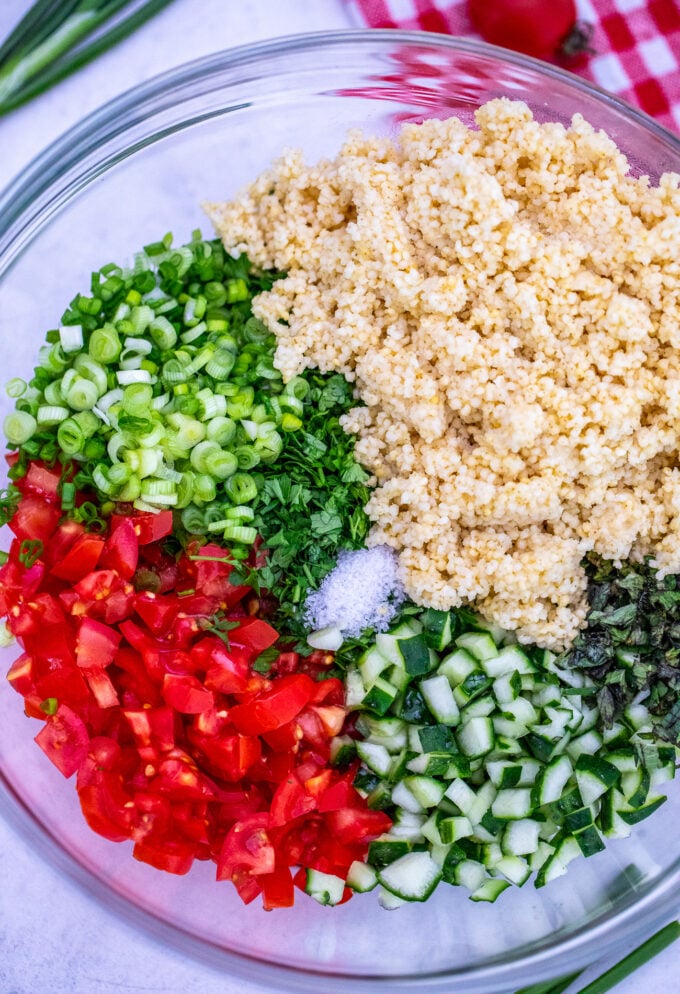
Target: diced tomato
{"points": [[254, 634], [148, 527], [354, 825], [18, 584], [42, 481], [80, 559], [177, 742], [247, 846], [171, 855], [228, 670], [186, 694], [64, 740], [35, 519], [290, 801], [284, 700], [96, 644], [62, 540], [277, 889], [121, 552], [157, 611], [101, 686]]}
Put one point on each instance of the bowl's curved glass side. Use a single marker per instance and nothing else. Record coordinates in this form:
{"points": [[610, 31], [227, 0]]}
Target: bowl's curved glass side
{"points": [[140, 168]]}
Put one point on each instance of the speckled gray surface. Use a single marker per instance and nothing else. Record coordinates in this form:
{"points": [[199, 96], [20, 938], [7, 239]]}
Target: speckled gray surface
{"points": [[53, 938]]}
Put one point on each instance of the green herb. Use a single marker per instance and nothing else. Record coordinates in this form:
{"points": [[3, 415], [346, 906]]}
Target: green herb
{"points": [[220, 626], [53, 40], [632, 642], [266, 660], [310, 503], [49, 705]]}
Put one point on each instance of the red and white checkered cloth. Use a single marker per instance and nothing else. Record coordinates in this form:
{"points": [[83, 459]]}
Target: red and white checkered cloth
{"points": [[636, 43]]}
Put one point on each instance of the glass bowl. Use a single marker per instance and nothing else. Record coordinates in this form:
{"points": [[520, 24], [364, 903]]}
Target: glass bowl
{"points": [[135, 169]]}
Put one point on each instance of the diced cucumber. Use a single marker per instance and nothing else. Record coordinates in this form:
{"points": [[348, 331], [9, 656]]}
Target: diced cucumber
{"points": [[589, 840], [371, 664], [556, 864], [457, 666], [436, 738], [512, 804], [453, 828], [418, 658], [577, 820], [389, 901], [478, 644], [520, 838], [537, 859], [489, 890], [509, 659], [462, 796], [470, 874], [361, 877], [635, 786], [380, 696], [632, 817], [437, 628], [508, 687], [594, 777], [325, 888], [354, 689], [624, 759], [484, 798], [552, 780], [636, 717], [412, 877], [373, 727], [386, 849], [436, 691], [514, 868], [376, 757], [426, 790], [403, 798], [433, 764], [480, 707], [521, 711], [587, 744], [476, 737], [343, 750], [474, 685]]}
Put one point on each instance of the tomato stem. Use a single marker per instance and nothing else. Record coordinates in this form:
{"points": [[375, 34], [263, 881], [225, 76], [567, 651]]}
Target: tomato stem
{"points": [[577, 41]]}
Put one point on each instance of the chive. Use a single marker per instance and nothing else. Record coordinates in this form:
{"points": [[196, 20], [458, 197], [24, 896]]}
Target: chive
{"points": [[551, 986], [643, 954]]}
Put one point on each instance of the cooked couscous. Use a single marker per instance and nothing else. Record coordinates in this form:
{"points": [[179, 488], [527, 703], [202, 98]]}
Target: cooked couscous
{"points": [[506, 301]]}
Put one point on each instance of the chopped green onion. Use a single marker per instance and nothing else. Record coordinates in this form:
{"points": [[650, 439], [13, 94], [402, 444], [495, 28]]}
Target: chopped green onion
{"points": [[221, 430], [19, 426], [16, 387], [52, 415], [240, 533], [91, 370], [194, 333], [220, 464], [127, 376], [269, 448], [297, 387], [237, 290], [193, 521], [205, 488], [220, 364], [246, 456], [104, 345], [50, 705], [71, 337], [82, 395], [241, 404], [289, 422], [239, 513], [137, 398], [163, 333], [241, 488], [199, 454]]}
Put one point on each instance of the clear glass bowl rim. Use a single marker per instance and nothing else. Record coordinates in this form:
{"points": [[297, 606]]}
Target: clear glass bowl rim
{"points": [[25, 209]]}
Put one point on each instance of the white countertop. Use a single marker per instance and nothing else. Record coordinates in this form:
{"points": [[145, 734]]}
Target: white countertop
{"points": [[53, 938]]}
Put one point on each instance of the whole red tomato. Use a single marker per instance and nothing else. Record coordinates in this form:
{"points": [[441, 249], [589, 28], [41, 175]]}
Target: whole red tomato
{"points": [[542, 28]]}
